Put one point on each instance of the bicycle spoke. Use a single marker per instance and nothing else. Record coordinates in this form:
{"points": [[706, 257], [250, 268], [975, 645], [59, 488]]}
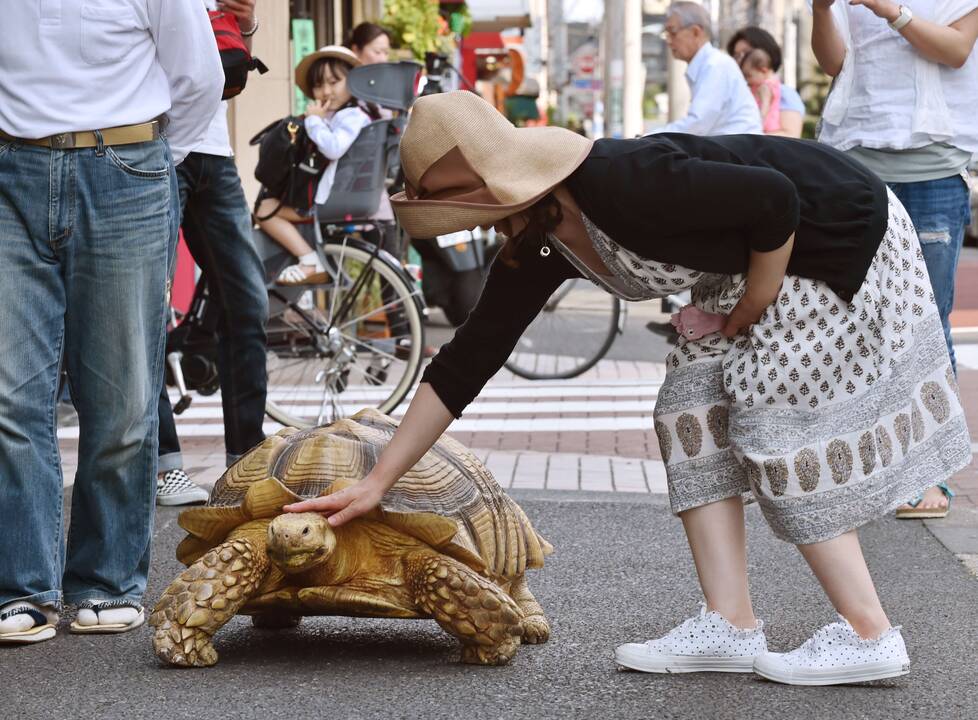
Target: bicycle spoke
{"points": [[374, 311]]}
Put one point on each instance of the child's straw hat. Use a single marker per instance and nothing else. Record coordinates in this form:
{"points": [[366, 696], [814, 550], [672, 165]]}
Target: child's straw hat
{"points": [[329, 51]]}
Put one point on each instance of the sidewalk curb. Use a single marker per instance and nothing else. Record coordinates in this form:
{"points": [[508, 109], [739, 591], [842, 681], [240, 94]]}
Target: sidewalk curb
{"points": [[958, 532]]}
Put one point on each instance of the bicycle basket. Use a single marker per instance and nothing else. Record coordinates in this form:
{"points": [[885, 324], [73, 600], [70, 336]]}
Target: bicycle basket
{"points": [[360, 176]]}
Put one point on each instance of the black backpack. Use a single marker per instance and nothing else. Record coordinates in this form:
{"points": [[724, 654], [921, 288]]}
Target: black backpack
{"points": [[289, 163]]}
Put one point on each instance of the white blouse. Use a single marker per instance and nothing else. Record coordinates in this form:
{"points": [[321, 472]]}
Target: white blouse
{"points": [[889, 96]]}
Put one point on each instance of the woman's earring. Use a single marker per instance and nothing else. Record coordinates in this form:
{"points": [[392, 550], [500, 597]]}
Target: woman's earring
{"points": [[544, 249]]}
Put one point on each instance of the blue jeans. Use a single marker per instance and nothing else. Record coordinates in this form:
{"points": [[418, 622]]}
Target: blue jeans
{"points": [[940, 210], [86, 237], [217, 229]]}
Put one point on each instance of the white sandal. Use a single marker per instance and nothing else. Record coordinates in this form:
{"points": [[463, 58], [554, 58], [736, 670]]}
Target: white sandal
{"points": [[95, 607], [14, 616], [308, 271]]}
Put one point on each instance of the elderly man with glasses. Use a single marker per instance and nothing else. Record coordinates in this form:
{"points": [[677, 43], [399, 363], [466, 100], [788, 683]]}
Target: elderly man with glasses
{"points": [[722, 103]]}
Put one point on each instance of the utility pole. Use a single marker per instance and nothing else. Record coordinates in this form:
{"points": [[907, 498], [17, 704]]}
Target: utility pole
{"points": [[624, 72], [633, 91], [614, 30], [559, 72]]}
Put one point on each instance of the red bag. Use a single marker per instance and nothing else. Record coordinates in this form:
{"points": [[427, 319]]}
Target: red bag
{"points": [[235, 58]]}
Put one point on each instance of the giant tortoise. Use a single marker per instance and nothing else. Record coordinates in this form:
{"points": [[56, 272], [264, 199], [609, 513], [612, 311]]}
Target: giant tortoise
{"points": [[447, 543]]}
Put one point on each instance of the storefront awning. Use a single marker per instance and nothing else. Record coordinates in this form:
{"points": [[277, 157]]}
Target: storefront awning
{"points": [[498, 15]]}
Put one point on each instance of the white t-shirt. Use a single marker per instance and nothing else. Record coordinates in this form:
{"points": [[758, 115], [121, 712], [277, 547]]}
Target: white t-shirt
{"points": [[217, 139]]}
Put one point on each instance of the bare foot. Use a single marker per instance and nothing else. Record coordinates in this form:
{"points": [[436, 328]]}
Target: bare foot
{"points": [[934, 499]]}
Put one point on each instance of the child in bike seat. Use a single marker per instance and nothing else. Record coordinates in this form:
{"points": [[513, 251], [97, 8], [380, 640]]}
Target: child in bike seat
{"points": [[333, 120]]}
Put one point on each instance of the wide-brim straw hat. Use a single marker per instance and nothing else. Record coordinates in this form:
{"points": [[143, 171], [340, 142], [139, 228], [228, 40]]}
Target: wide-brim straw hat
{"points": [[329, 51], [466, 165]]}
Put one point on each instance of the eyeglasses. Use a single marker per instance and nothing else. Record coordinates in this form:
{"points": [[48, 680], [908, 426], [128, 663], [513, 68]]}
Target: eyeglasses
{"points": [[669, 33]]}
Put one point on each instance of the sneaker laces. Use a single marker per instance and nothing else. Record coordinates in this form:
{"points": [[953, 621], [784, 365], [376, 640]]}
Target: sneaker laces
{"points": [[813, 645], [680, 629]]}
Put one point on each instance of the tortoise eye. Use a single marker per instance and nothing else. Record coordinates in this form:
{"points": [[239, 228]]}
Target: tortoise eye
{"points": [[305, 530]]}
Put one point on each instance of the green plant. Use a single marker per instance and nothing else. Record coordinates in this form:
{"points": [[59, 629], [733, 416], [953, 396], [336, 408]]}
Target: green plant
{"points": [[420, 26]]}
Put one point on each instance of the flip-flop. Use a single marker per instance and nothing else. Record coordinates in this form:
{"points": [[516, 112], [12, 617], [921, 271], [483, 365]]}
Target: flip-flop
{"points": [[107, 628], [918, 513], [42, 629]]}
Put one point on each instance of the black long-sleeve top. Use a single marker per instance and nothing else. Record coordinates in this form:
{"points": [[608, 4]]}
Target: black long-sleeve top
{"points": [[702, 203]]}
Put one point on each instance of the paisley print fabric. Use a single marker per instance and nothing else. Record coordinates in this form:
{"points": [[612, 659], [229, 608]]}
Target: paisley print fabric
{"points": [[829, 413]]}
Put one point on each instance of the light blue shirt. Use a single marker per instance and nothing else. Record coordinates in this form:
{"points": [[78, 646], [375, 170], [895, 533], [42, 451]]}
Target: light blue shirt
{"points": [[791, 100], [721, 103]]}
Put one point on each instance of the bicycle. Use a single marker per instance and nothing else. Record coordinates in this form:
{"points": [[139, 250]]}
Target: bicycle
{"points": [[353, 341], [573, 331]]}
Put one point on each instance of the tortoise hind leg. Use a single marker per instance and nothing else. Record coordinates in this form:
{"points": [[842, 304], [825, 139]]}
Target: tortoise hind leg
{"points": [[468, 606], [536, 629], [203, 598]]}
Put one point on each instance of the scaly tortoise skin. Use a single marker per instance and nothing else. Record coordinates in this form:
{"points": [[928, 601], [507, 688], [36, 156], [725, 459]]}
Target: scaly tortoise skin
{"points": [[447, 543]]}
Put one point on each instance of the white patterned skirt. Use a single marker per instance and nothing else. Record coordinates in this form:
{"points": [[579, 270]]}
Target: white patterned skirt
{"points": [[830, 413]]}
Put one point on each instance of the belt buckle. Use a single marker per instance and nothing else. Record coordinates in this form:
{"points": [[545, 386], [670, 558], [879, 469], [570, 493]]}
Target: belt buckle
{"points": [[63, 141]]}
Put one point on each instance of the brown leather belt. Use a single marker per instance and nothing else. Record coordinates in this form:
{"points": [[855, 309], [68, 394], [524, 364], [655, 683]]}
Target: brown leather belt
{"points": [[125, 135]]}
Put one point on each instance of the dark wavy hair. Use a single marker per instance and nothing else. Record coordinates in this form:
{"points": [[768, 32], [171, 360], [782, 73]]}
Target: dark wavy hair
{"points": [[544, 216], [364, 34], [759, 39]]}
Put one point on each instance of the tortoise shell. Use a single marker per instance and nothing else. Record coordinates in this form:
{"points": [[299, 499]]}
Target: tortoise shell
{"points": [[449, 499]]}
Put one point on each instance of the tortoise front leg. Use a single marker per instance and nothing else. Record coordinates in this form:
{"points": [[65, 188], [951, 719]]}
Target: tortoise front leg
{"points": [[468, 606], [203, 598]]}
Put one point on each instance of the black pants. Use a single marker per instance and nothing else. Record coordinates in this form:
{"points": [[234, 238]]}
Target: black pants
{"points": [[217, 228]]}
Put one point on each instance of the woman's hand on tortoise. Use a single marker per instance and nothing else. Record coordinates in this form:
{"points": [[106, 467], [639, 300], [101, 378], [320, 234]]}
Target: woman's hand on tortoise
{"points": [[342, 506]]}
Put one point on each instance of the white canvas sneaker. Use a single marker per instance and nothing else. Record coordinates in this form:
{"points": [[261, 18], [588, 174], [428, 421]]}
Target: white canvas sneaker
{"points": [[836, 654], [176, 488], [705, 643]]}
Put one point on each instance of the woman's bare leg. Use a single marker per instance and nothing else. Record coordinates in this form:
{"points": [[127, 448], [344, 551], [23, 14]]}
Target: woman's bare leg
{"points": [[718, 541], [281, 229], [840, 568]]}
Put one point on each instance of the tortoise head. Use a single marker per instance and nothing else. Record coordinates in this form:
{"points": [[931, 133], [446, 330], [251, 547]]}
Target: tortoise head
{"points": [[299, 541]]}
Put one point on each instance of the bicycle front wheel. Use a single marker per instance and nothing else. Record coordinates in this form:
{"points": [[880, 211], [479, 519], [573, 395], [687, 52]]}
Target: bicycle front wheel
{"points": [[353, 342], [573, 331]]}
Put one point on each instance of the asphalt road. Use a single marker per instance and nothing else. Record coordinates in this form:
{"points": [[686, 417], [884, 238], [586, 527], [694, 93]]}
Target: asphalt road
{"points": [[621, 572]]}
